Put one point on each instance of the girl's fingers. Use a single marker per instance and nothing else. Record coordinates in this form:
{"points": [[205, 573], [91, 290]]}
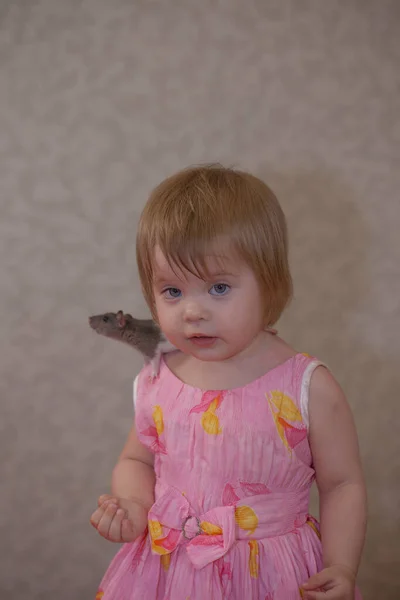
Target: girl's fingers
{"points": [[318, 581], [106, 498], [114, 532], [96, 516], [106, 518], [111, 521], [330, 595], [127, 531]]}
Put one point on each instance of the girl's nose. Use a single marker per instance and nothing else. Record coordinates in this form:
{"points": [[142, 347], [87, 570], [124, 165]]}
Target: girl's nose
{"points": [[194, 311]]}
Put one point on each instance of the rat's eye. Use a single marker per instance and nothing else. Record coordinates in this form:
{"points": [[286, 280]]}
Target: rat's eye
{"points": [[105, 319]]}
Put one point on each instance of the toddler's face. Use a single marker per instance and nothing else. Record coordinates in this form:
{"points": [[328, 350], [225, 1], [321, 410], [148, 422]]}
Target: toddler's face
{"points": [[214, 319]]}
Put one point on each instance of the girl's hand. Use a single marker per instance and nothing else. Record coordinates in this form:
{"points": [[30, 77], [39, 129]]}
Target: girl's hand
{"points": [[119, 519], [333, 583]]}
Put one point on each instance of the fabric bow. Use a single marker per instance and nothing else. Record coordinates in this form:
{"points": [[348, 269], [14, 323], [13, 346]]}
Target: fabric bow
{"points": [[207, 537]]}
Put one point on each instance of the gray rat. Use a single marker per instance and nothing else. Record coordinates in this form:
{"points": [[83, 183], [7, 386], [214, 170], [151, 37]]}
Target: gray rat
{"points": [[142, 334]]}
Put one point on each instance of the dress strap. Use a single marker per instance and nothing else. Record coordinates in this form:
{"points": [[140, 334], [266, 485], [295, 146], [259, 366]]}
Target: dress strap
{"points": [[308, 366], [135, 390]]}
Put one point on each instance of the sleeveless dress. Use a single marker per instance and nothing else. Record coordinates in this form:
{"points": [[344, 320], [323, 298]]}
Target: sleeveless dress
{"points": [[233, 476]]}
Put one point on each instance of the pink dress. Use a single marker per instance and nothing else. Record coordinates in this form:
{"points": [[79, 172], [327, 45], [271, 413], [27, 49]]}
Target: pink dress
{"points": [[234, 471]]}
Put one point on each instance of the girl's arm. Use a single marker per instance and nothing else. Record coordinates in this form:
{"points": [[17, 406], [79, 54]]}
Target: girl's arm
{"points": [[122, 516], [133, 476], [342, 491]]}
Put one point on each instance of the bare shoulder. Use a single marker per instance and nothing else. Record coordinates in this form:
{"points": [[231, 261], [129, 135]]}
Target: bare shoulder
{"points": [[326, 394], [333, 436]]}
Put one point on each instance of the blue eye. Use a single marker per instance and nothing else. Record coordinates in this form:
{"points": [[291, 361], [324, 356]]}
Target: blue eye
{"points": [[172, 293], [220, 289]]}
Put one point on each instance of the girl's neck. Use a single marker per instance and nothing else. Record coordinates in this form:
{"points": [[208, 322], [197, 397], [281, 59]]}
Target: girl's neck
{"points": [[265, 353]]}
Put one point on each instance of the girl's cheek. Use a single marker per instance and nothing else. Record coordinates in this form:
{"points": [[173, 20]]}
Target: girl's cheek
{"points": [[166, 319]]}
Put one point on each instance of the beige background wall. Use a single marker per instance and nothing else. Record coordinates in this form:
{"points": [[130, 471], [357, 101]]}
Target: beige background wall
{"points": [[98, 101]]}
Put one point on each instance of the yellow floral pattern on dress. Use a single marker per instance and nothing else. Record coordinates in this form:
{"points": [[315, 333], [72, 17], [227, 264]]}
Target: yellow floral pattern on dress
{"points": [[158, 419], [99, 595], [158, 548], [210, 421], [160, 543], [253, 559], [285, 406], [285, 413], [314, 527], [246, 518], [210, 402], [165, 561], [210, 529], [155, 529]]}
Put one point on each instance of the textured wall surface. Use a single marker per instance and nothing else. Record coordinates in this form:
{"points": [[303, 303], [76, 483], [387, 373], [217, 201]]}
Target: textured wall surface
{"points": [[100, 100]]}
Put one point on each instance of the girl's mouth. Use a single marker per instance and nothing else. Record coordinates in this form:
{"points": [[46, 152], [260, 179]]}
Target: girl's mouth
{"points": [[204, 341]]}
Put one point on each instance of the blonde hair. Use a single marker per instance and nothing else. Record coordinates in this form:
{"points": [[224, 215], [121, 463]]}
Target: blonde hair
{"points": [[187, 213]]}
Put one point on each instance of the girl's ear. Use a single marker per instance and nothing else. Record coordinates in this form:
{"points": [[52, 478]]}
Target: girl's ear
{"points": [[121, 319], [271, 330]]}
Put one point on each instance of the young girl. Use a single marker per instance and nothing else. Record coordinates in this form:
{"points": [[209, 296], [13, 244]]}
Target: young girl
{"points": [[210, 493]]}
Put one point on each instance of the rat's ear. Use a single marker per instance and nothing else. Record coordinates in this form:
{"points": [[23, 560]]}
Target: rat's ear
{"points": [[121, 318]]}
